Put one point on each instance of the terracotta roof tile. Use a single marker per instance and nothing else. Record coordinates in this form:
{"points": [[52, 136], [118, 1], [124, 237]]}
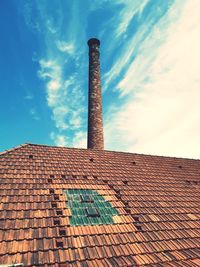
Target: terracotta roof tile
{"points": [[157, 200]]}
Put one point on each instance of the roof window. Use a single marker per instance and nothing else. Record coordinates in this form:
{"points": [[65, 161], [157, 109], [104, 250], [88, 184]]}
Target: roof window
{"points": [[88, 207]]}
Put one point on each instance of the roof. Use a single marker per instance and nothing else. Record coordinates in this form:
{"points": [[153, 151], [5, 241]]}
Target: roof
{"points": [[155, 202]]}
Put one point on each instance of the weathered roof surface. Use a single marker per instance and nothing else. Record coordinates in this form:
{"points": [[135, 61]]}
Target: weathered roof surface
{"points": [[157, 199]]}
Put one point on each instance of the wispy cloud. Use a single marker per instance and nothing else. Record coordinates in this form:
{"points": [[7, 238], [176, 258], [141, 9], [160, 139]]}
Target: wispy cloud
{"points": [[64, 97], [141, 24], [129, 10]]}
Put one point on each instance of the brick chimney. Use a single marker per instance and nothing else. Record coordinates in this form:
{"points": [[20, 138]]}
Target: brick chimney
{"points": [[95, 120]]}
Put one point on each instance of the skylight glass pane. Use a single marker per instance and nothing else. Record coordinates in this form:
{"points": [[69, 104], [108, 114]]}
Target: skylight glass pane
{"points": [[89, 208]]}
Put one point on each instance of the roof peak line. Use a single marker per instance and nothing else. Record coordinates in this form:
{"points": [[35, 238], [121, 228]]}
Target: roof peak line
{"points": [[13, 148], [95, 150]]}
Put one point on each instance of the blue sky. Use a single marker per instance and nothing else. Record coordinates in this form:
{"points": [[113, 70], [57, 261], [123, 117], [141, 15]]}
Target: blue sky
{"points": [[150, 62]]}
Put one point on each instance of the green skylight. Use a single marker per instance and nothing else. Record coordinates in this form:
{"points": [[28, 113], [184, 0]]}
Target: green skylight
{"points": [[89, 208]]}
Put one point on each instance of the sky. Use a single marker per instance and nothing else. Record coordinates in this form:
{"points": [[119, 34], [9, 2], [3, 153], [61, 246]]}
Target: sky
{"points": [[150, 73]]}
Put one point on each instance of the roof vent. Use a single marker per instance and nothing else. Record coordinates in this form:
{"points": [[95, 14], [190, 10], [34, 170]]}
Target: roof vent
{"points": [[56, 197], [56, 222], [139, 227], [136, 218], [59, 212], [59, 244], [54, 205], [62, 232], [128, 210]]}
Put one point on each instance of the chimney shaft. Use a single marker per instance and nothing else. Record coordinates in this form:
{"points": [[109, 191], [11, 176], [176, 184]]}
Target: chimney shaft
{"points": [[95, 121]]}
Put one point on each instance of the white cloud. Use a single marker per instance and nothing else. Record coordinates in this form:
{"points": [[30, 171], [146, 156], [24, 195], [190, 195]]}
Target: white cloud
{"points": [[65, 47], [59, 139], [80, 139], [54, 85], [75, 118], [161, 111], [59, 116]]}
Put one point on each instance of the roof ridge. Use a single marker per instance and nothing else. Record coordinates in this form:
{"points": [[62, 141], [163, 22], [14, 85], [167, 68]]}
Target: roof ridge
{"points": [[13, 149], [113, 151]]}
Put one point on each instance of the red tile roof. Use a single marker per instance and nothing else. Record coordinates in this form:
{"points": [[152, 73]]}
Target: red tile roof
{"points": [[157, 199]]}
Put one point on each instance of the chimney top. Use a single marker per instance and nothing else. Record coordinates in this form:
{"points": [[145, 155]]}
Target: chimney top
{"points": [[93, 41]]}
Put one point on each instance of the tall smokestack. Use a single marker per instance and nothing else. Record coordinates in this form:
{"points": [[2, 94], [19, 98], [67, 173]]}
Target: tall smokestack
{"points": [[95, 121]]}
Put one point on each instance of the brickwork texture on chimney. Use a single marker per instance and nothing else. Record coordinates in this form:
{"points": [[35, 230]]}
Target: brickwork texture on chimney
{"points": [[95, 119]]}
